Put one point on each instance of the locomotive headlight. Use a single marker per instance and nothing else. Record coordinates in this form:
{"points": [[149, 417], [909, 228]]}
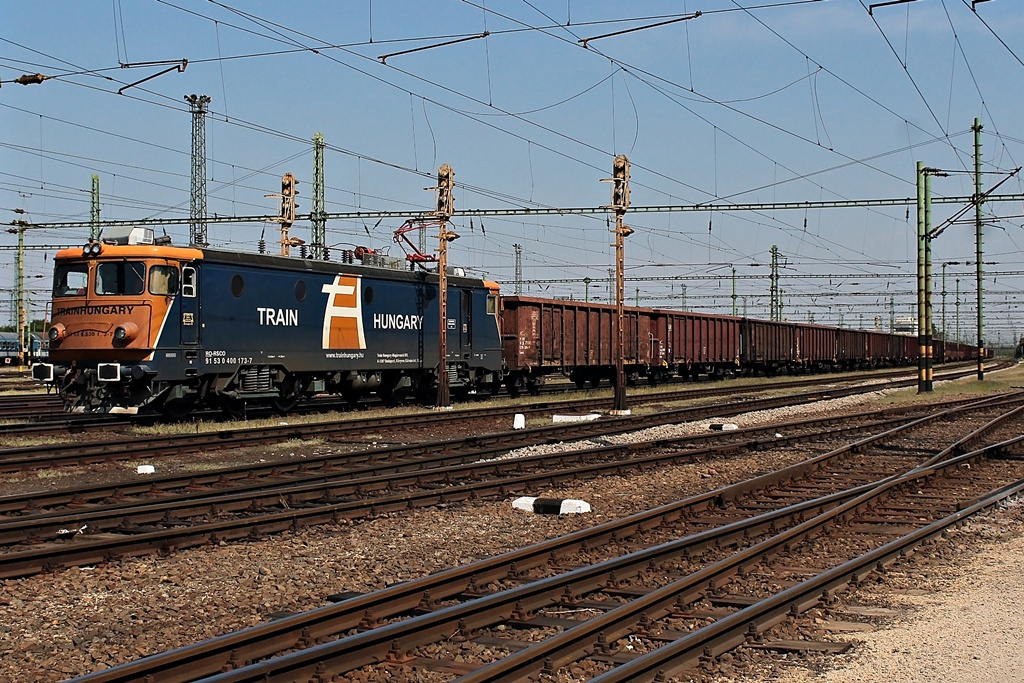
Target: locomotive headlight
{"points": [[126, 332], [92, 249], [56, 333]]}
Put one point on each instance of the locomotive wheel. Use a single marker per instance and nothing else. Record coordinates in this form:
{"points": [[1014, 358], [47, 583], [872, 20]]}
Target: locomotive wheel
{"points": [[234, 407], [178, 409], [291, 392], [285, 404]]}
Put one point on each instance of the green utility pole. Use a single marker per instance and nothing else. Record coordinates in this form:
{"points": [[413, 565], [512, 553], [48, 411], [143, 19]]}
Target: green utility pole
{"points": [[958, 310], [734, 291], [94, 209], [922, 350], [198, 105], [978, 244], [775, 305], [519, 268], [19, 276], [928, 325], [945, 264], [318, 214]]}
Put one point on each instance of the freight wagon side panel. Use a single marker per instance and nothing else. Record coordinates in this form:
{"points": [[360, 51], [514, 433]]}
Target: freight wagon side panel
{"points": [[520, 332], [852, 345], [724, 346], [816, 344], [878, 346], [911, 348], [641, 352]]}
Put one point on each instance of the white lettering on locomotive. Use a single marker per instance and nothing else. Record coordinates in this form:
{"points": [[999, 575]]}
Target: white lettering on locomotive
{"points": [[343, 316], [397, 321], [279, 316]]}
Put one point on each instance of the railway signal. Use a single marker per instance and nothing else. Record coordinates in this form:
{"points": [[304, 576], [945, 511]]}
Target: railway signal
{"points": [[286, 213], [288, 192], [445, 198], [620, 184]]}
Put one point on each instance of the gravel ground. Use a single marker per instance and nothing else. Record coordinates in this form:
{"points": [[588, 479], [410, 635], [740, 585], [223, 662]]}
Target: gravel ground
{"points": [[59, 625], [956, 623]]}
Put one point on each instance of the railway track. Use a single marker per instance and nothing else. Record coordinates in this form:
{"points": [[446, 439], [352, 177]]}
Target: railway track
{"points": [[42, 415], [60, 529], [16, 459], [647, 595]]}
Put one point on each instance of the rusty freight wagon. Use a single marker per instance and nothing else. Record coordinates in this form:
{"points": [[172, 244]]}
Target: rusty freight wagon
{"points": [[816, 347], [768, 346], [542, 337], [698, 343]]}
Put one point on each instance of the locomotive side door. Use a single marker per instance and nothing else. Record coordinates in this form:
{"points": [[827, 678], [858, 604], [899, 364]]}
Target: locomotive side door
{"points": [[466, 322], [189, 306]]}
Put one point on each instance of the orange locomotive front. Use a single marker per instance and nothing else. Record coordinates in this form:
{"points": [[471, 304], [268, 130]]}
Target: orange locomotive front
{"points": [[110, 303]]}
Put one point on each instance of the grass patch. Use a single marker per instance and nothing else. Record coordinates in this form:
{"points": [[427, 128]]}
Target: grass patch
{"points": [[294, 443], [28, 442], [202, 467], [53, 474], [994, 383]]}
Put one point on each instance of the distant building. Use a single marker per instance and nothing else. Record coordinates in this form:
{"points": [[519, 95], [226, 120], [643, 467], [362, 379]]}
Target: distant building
{"points": [[906, 325]]}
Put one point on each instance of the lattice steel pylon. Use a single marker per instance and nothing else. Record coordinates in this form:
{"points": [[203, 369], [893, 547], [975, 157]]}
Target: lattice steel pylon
{"points": [[519, 268], [197, 215], [94, 209], [318, 216], [775, 298]]}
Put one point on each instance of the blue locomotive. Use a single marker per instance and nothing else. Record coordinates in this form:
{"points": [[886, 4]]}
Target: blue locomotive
{"points": [[138, 325]]}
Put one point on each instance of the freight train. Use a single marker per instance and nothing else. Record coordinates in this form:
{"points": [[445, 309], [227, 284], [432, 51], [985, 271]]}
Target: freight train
{"points": [[141, 325]]}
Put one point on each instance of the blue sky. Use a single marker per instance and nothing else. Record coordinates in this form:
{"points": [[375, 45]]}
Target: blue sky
{"points": [[786, 102]]}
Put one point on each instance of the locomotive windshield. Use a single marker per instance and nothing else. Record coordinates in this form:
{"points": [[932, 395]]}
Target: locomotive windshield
{"points": [[70, 279], [121, 277]]}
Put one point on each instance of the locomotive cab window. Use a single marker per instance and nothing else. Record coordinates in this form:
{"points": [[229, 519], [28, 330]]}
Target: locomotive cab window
{"points": [[71, 279], [492, 304], [121, 277], [163, 280]]}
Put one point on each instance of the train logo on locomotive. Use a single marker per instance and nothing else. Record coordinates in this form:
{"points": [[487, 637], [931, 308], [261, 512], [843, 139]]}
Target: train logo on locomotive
{"points": [[343, 316]]}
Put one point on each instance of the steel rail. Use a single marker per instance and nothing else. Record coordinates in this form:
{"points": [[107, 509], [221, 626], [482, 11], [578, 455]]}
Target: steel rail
{"points": [[16, 459], [417, 453], [264, 640], [585, 638], [84, 551], [733, 630], [205, 499], [310, 501], [393, 640], [57, 422]]}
